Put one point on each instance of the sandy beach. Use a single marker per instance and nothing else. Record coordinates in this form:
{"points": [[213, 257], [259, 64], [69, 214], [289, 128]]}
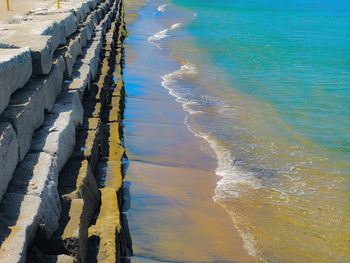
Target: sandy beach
{"points": [[20, 8], [170, 180]]}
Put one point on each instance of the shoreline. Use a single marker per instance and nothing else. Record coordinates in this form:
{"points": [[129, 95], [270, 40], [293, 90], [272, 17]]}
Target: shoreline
{"points": [[157, 162]]}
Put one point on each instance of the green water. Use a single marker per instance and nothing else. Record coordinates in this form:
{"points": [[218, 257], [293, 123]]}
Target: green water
{"points": [[267, 83]]}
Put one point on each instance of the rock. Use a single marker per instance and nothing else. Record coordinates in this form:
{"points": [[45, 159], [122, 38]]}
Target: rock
{"points": [[80, 79], [56, 137], [15, 71], [69, 101], [19, 220], [8, 155], [50, 85], [40, 48], [37, 175], [80, 199], [92, 56], [107, 227], [27, 105], [87, 147], [73, 50], [37, 256], [26, 114]]}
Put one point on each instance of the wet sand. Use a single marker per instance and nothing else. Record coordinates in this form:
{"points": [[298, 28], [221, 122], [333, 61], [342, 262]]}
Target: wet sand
{"points": [[170, 180]]}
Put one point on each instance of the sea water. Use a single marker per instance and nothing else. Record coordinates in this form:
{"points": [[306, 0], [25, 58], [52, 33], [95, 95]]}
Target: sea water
{"points": [[267, 84]]}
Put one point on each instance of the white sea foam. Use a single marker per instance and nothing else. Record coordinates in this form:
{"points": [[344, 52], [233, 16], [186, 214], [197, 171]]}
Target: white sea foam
{"points": [[170, 82], [159, 35], [162, 34], [233, 178], [161, 8], [175, 26]]}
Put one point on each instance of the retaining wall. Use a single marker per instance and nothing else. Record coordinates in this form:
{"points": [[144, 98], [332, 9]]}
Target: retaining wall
{"points": [[60, 149]]}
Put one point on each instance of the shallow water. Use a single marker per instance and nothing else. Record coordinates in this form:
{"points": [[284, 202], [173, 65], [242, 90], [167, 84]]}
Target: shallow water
{"points": [[170, 179], [267, 84]]}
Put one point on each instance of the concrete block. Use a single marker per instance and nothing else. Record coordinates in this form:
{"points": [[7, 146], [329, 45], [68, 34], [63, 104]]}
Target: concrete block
{"points": [[36, 256], [73, 50], [15, 71], [56, 137], [80, 199], [8, 155], [69, 22], [51, 84], [87, 147], [37, 175], [81, 75], [92, 57], [40, 47], [69, 101], [26, 113], [42, 24], [19, 220], [108, 226]]}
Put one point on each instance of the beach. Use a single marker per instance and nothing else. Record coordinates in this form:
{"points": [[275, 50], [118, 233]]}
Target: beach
{"points": [[251, 97], [170, 178]]}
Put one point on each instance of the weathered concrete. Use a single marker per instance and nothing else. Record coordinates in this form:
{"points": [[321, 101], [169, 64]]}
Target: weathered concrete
{"points": [[25, 113], [57, 136], [80, 79], [36, 256], [80, 199], [8, 155], [18, 222], [26, 108], [77, 181], [15, 71], [37, 175], [69, 101], [71, 52], [31, 200], [88, 147], [91, 56], [40, 47], [107, 227]]}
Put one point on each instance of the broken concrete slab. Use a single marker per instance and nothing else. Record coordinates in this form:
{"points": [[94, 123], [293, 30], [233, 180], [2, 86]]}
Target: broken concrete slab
{"points": [[73, 50], [50, 85], [37, 175], [19, 220], [15, 71], [8, 155], [40, 47], [26, 113], [56, 137], [87, 147], [80, 78], [69, 101], [37, 256], [107, 227]]}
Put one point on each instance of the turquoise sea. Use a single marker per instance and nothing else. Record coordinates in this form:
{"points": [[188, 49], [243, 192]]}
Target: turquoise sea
{"points": [[267, 84]]}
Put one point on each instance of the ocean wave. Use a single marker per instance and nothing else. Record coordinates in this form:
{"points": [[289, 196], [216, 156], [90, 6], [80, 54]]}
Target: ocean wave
{"points": [[159, 35], [234, 179], [162, 34], [161, 8], [170, 81], [175, 26]]}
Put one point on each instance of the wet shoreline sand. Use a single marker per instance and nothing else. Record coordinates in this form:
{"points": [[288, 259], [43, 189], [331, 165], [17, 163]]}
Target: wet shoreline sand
{"points": [[170, 180]]}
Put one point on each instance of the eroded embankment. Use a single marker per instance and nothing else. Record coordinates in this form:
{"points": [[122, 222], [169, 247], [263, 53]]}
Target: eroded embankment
{"points": [[60, 137]]}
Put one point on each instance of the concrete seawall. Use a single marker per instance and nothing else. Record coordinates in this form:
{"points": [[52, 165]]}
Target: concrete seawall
{"points": [[61, 106]]}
